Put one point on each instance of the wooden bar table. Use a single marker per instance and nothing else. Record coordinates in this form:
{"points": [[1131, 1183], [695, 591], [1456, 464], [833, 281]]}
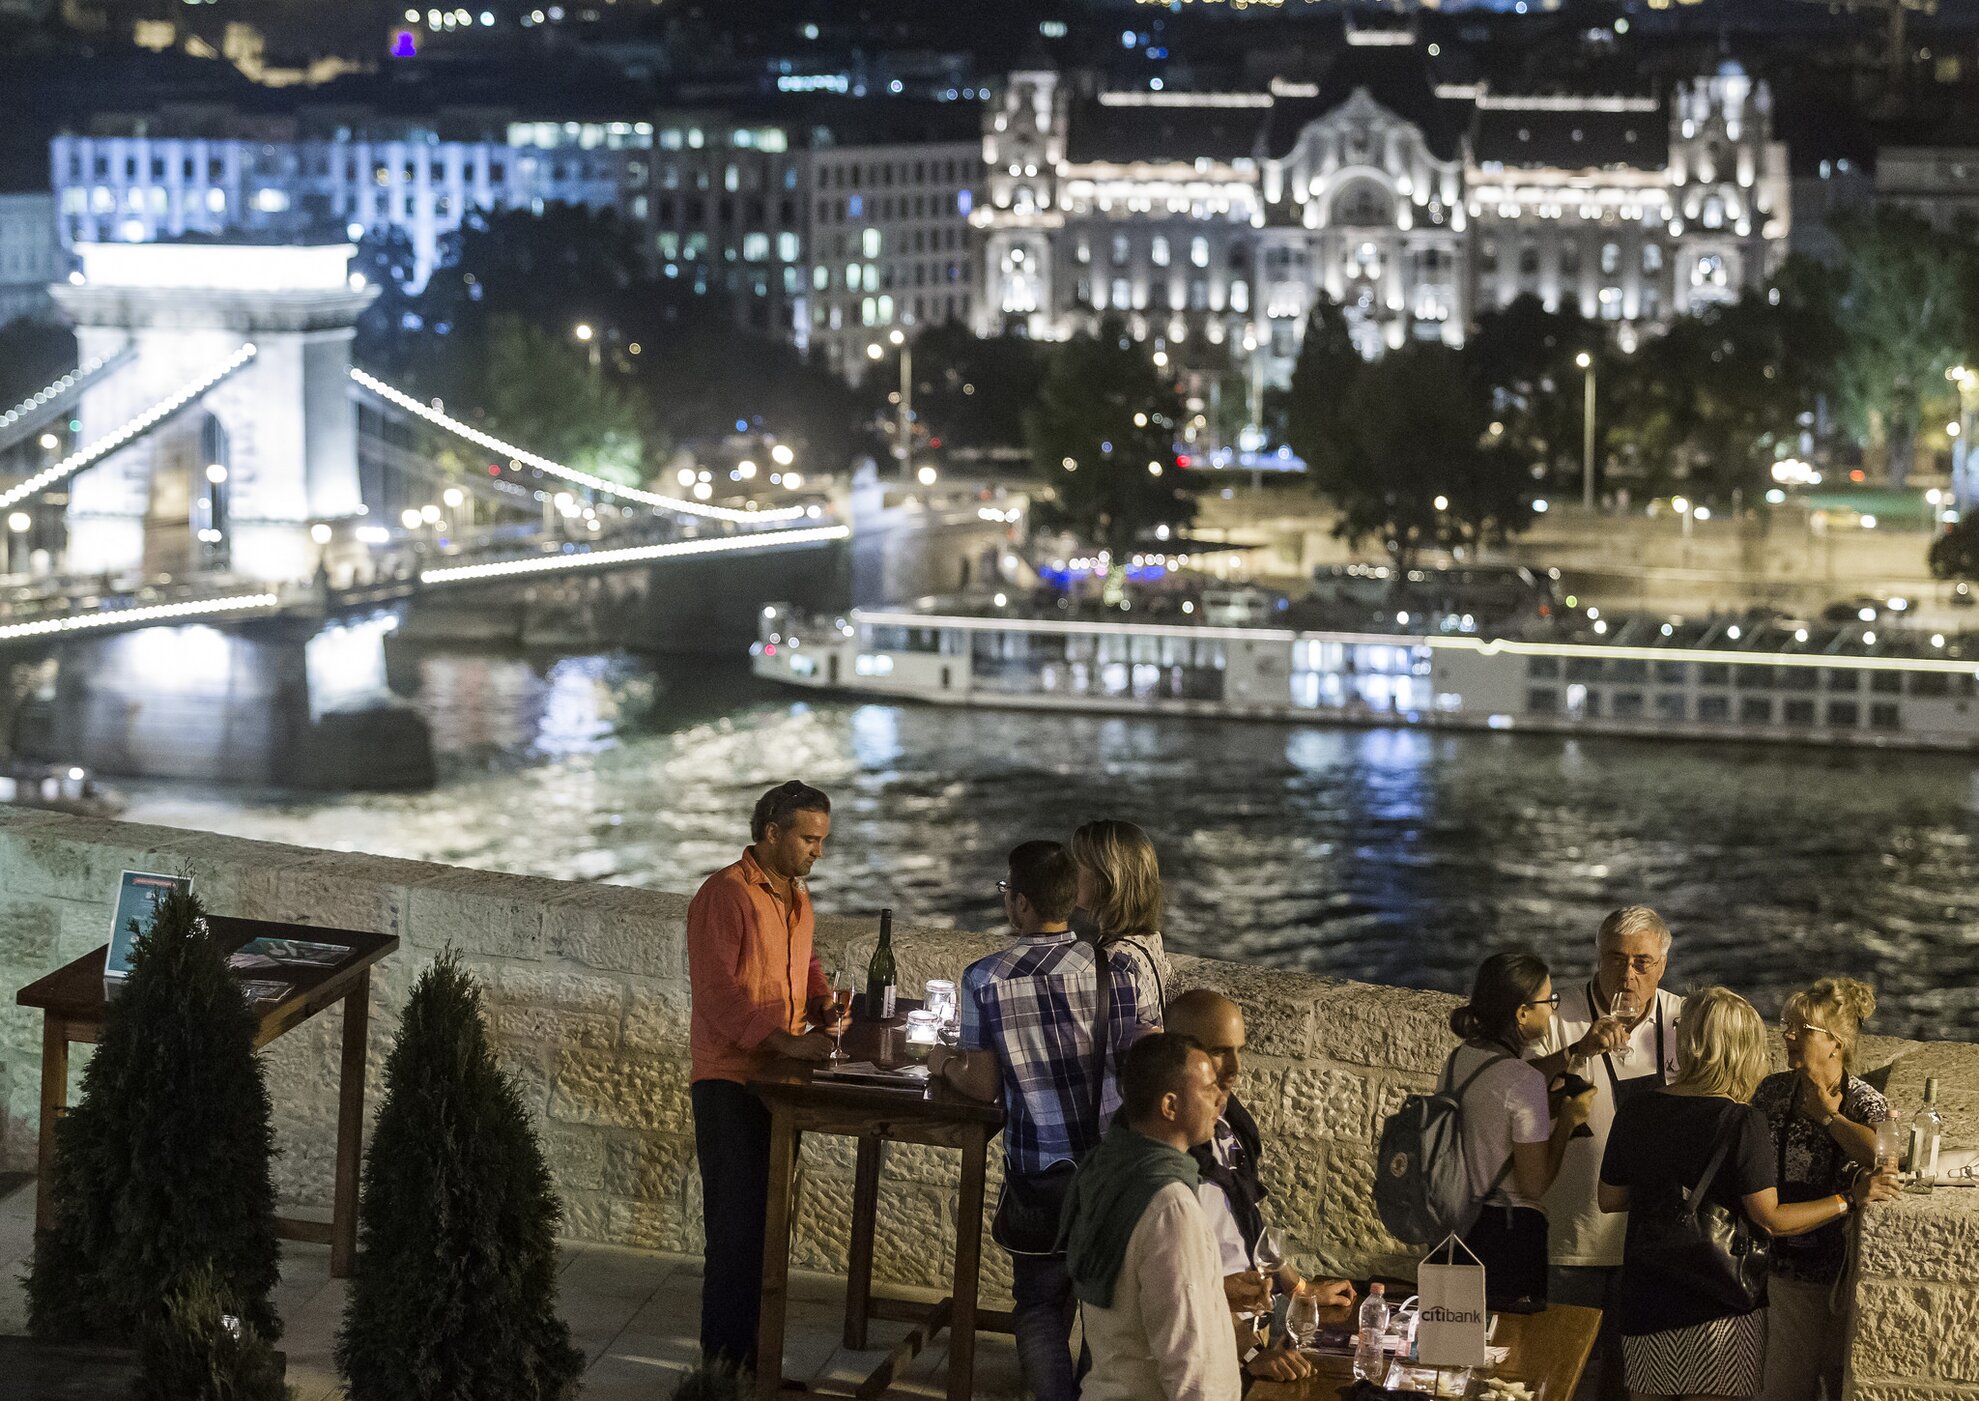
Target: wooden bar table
{"points": [[1548, 1349], [73, 1006], [802, 1099]]}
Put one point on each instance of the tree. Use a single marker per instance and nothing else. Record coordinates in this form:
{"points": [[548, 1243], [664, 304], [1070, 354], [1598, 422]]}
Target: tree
{"points": [[1415, 429], [539, 389], [1315, 403], [200, 1351], [1527, 356], [388, 329], [1102, 436], [1955, 554], [161, 1170], [1903, 303], [455, 1294], [969, 390]]}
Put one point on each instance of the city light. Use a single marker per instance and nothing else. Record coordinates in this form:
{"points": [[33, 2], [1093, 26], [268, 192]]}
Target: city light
{"points": [[453, 496], [50, 442], [745, 469], [599, 559], [54, 391], [556, 469], [320, 533], [132, 429], [215, 473], [127, 617], [19, 521], [1441, 503], [782, 455], [926, 476], [584, 332]]}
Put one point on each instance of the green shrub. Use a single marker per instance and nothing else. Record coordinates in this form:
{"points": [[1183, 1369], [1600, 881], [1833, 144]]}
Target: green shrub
{"points": [[712, 1381], [161, 1168], [455, 1294], [200, 1349]]}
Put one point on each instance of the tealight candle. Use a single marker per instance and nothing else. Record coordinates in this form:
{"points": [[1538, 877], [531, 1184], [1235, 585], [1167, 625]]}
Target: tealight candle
{"points": [[923, 1029]]}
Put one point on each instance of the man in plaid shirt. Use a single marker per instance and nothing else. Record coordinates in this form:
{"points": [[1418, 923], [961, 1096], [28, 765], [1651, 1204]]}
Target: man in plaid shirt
{"points": [[1028, 1014]]}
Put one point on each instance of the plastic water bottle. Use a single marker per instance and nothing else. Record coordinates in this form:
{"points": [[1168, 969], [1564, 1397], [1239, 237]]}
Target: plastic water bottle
{"points": [[1368, 1353]]}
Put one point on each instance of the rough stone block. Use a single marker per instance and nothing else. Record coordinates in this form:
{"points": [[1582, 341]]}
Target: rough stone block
{"points": [[1278, 1006], [650, 1167], [1353, 1240], [1262, 1092], [81, 857], [650, 1225], [1955, 1325], [478, 913], [594, 1087], [241, 878], [659, 1019], [1934, 1236], [1894, 1330], [821, 1227], [348, 891], [1325, 1102], [913, 1233], [30, 933], [587, 1216], [1390, 1028], [575, 1156], [617, 929], [1296, 1175], [85, 928], [1860, 1390]]}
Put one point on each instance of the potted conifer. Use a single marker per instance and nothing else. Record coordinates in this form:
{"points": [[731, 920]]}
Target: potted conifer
{"points": [[164, 1226], [455, 1293]]}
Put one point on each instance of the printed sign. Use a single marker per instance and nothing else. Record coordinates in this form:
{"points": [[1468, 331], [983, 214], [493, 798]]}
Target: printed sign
{"points": [[138, 899], [1450, 1329]]}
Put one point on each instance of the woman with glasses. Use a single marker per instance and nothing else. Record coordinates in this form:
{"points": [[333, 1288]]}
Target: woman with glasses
{"points": [[1824, 1133], [1513, 1144], [1682, 1336]]}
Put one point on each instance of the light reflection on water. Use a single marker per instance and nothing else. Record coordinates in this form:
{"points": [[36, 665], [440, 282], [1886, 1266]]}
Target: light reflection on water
{"points": [[1394, 855]]}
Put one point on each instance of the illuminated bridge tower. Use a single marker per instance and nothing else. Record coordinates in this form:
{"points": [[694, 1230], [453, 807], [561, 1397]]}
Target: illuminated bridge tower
{"points": [[260, 337]]}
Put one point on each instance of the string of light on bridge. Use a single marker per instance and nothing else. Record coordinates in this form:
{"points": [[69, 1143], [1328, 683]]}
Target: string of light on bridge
{"points": [[149, 613], [636, 554], [441, 419], [51, 393], [135, 428]]}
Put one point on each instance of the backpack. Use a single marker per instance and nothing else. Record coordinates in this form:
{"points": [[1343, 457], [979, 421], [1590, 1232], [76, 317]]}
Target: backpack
{"points": [[1422, 1183]]}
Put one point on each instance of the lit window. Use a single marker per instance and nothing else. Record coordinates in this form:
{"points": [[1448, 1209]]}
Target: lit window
{"points": [[1159, 251], [869, 243], [786, 247], [271, 201], [755, 247], [1199, 252]]}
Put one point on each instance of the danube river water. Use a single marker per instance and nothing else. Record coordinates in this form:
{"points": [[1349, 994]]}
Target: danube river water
{"points": [[1388, 855]]}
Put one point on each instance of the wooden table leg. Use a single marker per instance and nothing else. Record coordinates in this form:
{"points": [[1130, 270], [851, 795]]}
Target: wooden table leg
{"points": [[54, 1103], [776, 1252], [350, 1127], [865, 1206], [968, 1267]]}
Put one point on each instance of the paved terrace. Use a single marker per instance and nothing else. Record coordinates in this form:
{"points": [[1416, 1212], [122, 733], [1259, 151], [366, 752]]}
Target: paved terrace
{"points": [[633, 1313]]}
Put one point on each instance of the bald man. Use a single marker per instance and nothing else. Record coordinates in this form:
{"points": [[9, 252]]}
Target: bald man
{"points": [[1232, 1190]]}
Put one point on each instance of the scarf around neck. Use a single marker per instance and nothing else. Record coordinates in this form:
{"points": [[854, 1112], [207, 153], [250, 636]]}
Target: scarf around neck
{"points": [[1109, 1195]]}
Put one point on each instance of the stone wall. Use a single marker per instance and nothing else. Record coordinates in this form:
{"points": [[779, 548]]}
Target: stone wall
{"points": [[588, 1003]]}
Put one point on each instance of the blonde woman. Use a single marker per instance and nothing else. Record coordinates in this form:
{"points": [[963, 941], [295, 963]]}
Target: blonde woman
{"points": [[1677, 1341], [1823, 1121], [1120, 893]]}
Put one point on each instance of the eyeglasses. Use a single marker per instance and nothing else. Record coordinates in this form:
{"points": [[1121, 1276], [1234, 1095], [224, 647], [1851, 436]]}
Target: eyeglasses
{"points": [[1793, 1031], [1553, 1001], [1641, 963], [1003, 887]]}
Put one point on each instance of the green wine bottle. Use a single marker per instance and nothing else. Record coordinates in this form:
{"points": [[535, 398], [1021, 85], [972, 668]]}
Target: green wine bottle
{"points": [[881, 976]]}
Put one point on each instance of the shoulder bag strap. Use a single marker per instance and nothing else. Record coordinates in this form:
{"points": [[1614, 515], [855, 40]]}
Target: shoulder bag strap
{"points": [[1147, 956], [1506, 1170], [1718, 1155], [1102, 1017]]}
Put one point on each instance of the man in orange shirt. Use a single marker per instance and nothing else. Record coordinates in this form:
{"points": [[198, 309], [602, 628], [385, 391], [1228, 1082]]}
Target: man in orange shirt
{"points": [[755, 982]]}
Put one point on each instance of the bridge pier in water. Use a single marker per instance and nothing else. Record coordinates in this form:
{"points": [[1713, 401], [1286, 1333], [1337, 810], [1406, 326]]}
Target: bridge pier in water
{"points": [[290, 703]]}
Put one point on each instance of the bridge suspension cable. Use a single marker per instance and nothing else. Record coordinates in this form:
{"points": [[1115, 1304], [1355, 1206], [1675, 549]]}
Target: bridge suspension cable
{"points": [[149, 613], [636, 554], [440, 419], [21, 420], [136, 428]]}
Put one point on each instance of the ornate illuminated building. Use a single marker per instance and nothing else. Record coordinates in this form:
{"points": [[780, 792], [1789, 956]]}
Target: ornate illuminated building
{"points": [[1417, 204]]}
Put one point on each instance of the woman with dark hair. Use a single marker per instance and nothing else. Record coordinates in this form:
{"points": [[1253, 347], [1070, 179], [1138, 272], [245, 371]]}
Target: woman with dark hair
{"points": [[1512, 1142]]}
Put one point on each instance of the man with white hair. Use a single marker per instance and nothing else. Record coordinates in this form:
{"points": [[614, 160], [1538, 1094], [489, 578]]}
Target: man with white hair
{"points": [[1617, 1030]]}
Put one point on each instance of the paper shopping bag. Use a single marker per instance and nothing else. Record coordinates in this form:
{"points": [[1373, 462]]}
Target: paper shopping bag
{"points": [[1450, 1329]]}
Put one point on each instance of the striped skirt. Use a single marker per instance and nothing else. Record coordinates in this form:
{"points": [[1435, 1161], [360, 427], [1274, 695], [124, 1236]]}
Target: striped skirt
{"points": [[1722, 1357]]}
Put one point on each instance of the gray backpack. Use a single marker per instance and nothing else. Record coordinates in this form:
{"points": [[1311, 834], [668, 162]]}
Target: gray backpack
{"points": [[1422, 1183]]}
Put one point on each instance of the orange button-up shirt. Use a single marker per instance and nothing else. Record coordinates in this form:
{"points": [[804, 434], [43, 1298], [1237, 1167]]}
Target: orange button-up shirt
{"points": [[751, 967]]}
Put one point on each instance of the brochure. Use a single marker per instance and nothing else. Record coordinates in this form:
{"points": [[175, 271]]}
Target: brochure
{"points": [[138, 898], [260, 955]]}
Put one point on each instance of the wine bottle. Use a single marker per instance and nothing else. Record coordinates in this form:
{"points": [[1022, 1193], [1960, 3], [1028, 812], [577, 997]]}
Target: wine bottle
{"points": [[881, 977], [1927, 1128]]}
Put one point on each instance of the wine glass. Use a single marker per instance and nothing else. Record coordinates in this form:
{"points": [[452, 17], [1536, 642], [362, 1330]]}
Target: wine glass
{"points": [[1302, 1317], [841, 998], [1623, 1010], [1268, 1255]]}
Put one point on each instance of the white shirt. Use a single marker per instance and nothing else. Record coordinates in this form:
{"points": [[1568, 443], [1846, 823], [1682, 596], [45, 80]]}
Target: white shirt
{"points": [[1231, 1247], [1579, 1232], [1506, 1105], [1168, 1336]]}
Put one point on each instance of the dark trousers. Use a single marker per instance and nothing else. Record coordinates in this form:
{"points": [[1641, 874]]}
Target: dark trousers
{"points": [[732, 1146], [1593, 1287], [1042, 1322], [1510, 1242]]}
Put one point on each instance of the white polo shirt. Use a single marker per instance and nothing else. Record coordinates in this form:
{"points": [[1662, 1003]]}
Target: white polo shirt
{"points": [[1579, 1232]]}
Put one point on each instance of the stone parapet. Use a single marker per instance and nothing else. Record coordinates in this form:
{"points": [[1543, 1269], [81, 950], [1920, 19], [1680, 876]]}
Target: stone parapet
{"points": [[588, 1009]]}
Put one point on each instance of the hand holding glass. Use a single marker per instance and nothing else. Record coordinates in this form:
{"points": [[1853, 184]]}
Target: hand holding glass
{"points": [[1623, 1011], [841, 1002]]}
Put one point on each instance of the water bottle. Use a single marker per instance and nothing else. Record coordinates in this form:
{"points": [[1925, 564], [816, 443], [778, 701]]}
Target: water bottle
{"points": [[1927, 1127], [1368, 1352]]}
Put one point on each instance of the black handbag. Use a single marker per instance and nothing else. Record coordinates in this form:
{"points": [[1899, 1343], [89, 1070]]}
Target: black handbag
{"points": [[1681, 1244], [1030, 1204]]}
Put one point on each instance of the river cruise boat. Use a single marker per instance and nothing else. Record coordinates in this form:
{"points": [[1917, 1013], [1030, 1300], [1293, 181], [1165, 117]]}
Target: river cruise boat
{"points": [[1731, 678]]}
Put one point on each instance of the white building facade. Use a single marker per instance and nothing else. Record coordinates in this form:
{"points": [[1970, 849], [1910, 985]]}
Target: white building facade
{"points": [[1222, 217], [30, 256]]}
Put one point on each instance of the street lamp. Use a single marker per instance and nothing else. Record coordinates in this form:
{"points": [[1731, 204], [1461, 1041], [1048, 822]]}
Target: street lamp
{"points": [[899, 339], [588, 338], [1682, 506], [1586, 362], [17, 525]]}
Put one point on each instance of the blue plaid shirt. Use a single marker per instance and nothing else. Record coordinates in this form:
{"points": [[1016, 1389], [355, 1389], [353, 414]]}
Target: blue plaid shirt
{"points": [[1034, 1003]]}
